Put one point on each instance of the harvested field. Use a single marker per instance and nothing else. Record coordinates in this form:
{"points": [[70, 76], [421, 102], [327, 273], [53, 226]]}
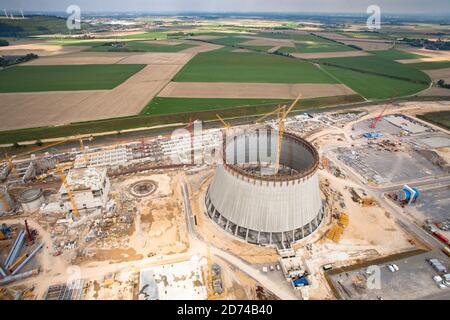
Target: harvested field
{"points": [[40, 48], [252, 90], [25, 110], [364, 44], [438, 74], [429, 55], [338, 54], [81, 58], [435, 91], [369, 45], [158, 58], [269, 42], [201, 47]]}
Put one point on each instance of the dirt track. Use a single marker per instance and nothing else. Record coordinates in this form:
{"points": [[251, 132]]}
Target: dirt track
{"points": [[252, 90]]}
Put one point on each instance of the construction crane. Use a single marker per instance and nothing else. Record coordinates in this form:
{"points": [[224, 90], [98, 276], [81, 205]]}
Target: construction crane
{"points": [[282, 114], [69, 193], [225, 124], [375, 121]]}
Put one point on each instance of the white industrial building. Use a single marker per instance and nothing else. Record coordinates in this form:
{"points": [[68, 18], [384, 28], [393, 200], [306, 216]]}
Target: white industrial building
{"points": [[89, 187], [252, 203]]}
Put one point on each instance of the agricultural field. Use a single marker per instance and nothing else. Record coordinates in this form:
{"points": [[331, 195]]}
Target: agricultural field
{"points": [[161, 105], [373, 86], [223, 66], [137, 46], [65, 77], [393, 54], [441, 118], [378, 66]]}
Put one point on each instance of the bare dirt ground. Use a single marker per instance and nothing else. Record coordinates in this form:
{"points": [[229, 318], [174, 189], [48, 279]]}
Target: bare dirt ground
{"points": [[252, 90], [24, 110], [81, 58], [438, 74], [339, 54]]}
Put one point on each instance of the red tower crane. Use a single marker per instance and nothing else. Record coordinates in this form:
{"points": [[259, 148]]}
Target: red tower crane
{"points": [[375, 121]]}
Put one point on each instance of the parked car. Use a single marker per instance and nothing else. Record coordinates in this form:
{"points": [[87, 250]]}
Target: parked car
{"points": [[391, 268]]}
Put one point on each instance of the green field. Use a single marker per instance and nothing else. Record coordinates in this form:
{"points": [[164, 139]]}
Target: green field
{"points": [[373, 86], [62, 78], [223, 66], [393, 54], [431, 65], [378, 66], [316, 47], [160, 106], [137, 46], [230, 41], [440, 118]]}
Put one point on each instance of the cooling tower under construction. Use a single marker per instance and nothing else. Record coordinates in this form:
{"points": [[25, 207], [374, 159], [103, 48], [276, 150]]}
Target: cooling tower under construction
{"points": [[251, 200]]}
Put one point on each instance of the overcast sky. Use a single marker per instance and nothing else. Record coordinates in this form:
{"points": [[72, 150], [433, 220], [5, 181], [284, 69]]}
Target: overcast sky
{"points": [[284, 6]]}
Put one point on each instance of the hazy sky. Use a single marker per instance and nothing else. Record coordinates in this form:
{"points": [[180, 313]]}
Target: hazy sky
{"points": [[285, 6]]}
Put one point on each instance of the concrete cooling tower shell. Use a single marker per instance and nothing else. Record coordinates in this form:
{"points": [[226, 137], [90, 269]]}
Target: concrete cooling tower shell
{"points": [[263, 208]]}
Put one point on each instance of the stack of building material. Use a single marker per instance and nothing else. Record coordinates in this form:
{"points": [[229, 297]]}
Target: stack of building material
{"points": [[335, 232]]}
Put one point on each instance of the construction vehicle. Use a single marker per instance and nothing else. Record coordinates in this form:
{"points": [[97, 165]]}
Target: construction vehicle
{"points": [[215, 285], [69, 192], [224, 123]]}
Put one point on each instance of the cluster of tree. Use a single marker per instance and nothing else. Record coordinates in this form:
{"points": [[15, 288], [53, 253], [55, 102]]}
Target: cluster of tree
{"points": [[6, 61], [428, 44], [3, 43], [441, 83]]}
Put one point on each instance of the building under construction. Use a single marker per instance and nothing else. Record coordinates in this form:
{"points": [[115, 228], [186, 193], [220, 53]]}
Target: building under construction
{"points": [[265, 198]]}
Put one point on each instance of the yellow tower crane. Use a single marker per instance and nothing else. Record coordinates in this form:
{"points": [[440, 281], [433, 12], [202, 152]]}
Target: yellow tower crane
{"points": [[282, 114], [67, 187]]}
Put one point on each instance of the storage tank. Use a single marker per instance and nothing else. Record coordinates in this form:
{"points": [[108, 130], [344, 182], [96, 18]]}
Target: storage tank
{"points": [[6, 202], [31, 199]]}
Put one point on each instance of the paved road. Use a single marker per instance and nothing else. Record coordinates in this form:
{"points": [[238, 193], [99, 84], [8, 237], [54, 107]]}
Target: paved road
{"points": [[276, 288]]}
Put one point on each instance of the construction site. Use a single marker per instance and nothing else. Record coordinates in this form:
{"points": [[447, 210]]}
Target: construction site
{"points": [[291, 205]]}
